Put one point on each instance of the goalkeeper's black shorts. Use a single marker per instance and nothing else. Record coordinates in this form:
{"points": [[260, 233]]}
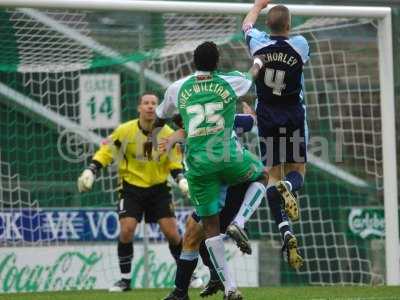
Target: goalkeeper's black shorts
{"points": [[154, 202]]}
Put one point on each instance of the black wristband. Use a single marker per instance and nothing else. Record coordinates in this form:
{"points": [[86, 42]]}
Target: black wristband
{"points": [[177, 174], [177, 119], [95, 166], [159, 123]]}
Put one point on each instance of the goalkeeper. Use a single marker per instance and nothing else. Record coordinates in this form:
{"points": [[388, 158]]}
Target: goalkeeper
{"points": [[143, 183]]}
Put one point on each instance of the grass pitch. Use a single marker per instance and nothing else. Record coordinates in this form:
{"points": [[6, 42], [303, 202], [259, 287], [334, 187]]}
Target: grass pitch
{"points": [[292, 293]]}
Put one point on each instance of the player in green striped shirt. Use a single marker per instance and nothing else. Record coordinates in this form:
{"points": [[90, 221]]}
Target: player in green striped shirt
{"points": [[206, 101]]}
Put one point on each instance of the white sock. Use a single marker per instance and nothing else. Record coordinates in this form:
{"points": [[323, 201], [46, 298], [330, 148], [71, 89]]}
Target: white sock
{"points": [[284, 223], [216, 249], [126, 276], [252, 200], [285, 234]]}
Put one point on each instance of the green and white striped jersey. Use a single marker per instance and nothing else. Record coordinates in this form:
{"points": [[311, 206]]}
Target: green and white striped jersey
{"points": [[207, 103]]}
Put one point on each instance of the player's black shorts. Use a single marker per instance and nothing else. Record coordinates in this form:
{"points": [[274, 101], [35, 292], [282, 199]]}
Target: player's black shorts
{"points": [[154, 202], [283, 134], [233, 200]]}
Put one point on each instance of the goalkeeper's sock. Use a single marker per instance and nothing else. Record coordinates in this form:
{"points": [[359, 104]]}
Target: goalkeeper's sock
{"points": [[175, 250], [294, 180], [186, 265], [125, 256], [205, 257], [216, 248], [252, 200], [274, 201]]}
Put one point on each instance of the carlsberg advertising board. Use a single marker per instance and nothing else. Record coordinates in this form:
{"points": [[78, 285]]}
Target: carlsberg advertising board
{"points": [[367, 222]]}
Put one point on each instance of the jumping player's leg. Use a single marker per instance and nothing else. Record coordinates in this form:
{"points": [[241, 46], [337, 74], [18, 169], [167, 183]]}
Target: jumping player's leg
{"points": [[294, 175], [234, 201], [252, 200], [283, 146], [189, 257], [274, 199], [295, 158], [289, 185], [214, 284], [193, 243], [247, 168], [216, 248], [281, 203], [205, 196]]}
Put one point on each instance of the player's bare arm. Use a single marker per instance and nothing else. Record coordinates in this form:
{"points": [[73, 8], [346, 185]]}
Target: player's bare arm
{"points": [[247, 109], [255, 11], [165, 144]]}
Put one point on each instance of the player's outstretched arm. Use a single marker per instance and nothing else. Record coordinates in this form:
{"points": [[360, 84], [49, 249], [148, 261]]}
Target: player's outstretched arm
{"points": [[166, 144], [254, 12], [247, 109], [165, 111]]}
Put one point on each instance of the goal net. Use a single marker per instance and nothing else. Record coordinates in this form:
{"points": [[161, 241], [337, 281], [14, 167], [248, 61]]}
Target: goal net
{"points": [[67, 78]]}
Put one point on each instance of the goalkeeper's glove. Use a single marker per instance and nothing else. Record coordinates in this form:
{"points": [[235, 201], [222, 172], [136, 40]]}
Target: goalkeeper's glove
{"points": [[182, 184], [86, 180]]}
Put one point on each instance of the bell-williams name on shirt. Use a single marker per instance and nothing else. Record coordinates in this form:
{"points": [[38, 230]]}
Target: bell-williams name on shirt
{"points": [[204, 87], [281, 57]]}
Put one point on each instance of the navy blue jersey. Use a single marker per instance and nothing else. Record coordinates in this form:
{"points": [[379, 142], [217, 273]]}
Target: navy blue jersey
{"points": [[280, 81]]}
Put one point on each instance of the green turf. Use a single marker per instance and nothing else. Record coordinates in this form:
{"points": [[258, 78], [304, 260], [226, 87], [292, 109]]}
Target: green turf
{"points": [[293, 293]]}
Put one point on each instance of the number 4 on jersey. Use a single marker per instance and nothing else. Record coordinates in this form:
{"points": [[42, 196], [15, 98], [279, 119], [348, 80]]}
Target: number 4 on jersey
{"points": [[275, 80]]}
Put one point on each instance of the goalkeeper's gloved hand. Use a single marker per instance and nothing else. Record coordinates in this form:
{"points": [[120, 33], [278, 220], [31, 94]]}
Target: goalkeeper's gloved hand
{"points": [[183, 185], [86, 180]]}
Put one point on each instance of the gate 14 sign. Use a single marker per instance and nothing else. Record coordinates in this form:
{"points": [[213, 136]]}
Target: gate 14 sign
{"points": [[100, 100]]}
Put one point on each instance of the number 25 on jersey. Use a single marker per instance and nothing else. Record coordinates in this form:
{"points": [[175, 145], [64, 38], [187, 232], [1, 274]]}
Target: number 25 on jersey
{"points": [[214, 121]]}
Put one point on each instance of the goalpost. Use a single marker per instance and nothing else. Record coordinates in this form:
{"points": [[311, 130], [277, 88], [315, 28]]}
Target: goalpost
{"points": [[161, 67]]}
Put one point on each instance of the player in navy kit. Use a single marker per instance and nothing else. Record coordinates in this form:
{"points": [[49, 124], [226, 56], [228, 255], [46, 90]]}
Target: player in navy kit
{"points": [[281, 114]]}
